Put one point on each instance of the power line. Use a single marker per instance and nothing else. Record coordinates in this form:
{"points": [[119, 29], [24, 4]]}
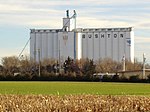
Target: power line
{"points": [[24, 47]]}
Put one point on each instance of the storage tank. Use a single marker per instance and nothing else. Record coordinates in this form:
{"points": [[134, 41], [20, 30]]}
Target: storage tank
{"points": [[78, 45], [102, 45], [122, 44], [55, 50], [44, 52], [50, 42], [115, 47], [32, 44], [90, 45], [84, 45], [38, 49], [96, 46], [109, 43]]}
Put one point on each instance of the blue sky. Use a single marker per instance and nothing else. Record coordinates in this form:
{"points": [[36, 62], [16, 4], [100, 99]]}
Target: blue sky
{"points": [[17, 17]]}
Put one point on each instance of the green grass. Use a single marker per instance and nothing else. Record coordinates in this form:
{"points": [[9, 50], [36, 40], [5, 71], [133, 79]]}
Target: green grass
{"points": [[65, 88]]}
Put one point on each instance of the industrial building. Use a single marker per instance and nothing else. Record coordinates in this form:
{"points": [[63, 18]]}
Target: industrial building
{"points": [[77, 43]]}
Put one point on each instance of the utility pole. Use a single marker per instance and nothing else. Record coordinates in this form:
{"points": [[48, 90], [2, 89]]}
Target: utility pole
{"points": [[39, 62], [59, 56], [124, 63], [144, 59]]}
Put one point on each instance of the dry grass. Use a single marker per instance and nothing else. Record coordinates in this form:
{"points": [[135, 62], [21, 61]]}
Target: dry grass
{"points": [[74, 103]]}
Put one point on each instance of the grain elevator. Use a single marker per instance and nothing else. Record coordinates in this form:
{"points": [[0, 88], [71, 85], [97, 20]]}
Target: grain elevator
{"points": [[77, 43]]}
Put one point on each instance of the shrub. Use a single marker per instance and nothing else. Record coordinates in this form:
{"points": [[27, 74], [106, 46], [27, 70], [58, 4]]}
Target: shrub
{"points": [[148, 78], [134, 78], [124, 79], [107, 78], [115, 78]]}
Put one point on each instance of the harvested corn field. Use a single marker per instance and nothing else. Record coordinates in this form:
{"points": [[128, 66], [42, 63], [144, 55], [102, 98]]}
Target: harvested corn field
{"points": [[74, 103]]}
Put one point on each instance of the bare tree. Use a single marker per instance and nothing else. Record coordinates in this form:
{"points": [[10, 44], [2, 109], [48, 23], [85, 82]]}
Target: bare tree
{"points": [[133, 66], [8, 62], [49, 61], [10, 65], [107, 65]]}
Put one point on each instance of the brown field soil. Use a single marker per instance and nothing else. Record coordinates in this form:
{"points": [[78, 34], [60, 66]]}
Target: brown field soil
{"points": [[74, 103]]}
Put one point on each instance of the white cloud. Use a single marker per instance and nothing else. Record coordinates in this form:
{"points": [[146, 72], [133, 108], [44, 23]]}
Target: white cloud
{"points": [[144, 25], [45, 12], [46, 24], [142, 46], [142, 40], [93, 22]]}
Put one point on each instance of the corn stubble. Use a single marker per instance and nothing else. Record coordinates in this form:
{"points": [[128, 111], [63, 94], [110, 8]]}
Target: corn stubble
{"points": [[74, 103]]}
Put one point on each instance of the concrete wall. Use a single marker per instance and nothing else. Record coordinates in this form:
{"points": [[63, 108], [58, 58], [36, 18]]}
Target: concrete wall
{"points": [[94, 44], [111, 43]]}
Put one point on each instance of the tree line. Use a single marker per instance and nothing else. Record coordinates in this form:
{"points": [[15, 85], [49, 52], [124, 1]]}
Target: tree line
{"points": [[13, 68]]}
